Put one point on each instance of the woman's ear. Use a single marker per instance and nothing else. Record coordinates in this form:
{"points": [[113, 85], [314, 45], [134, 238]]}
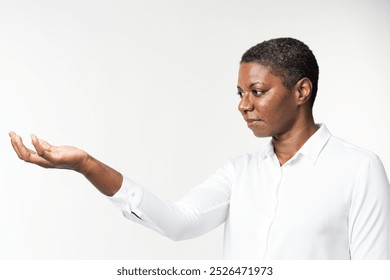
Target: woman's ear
{"points": [[303, 90]]}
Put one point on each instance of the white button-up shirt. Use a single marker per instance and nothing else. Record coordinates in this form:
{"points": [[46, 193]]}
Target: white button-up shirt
{"points": [[330, 201]]}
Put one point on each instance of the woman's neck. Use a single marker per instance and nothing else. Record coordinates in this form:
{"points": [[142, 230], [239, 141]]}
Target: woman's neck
{"points": [[287, 144]]}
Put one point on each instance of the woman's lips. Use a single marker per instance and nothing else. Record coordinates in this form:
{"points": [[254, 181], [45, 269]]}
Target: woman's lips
{"points": [[252, 122]]}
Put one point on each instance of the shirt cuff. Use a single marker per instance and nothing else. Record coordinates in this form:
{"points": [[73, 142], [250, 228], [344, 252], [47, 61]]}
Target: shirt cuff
{"points": [[128, 197]]}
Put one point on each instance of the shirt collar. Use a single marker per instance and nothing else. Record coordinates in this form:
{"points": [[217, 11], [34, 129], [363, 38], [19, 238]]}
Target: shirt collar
{"points": [[268, 151], [311, 149], [314, 145]]}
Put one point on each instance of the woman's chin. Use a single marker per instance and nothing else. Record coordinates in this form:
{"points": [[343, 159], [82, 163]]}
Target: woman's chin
{"points": [[260, 133]]}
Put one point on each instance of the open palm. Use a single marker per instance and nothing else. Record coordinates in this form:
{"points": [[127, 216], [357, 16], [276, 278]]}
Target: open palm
{"points": [[48, 156]]}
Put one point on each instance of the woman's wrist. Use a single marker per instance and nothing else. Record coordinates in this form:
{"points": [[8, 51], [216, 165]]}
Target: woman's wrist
{"points": [[85, 165]]}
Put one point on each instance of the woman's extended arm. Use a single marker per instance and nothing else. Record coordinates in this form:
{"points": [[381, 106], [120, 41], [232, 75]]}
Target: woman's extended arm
{"points": [[204, 208], [104, 178]]}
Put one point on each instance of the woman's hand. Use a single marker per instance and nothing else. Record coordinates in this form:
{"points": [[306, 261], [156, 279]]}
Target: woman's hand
{"points": [[48, 156], [104, 178]]}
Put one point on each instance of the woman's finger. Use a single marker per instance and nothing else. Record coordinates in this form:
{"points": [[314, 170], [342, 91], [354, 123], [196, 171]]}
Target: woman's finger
{"points": [[43, 149], [24, 152], [13, 143], [21, 150], [38, 147]]}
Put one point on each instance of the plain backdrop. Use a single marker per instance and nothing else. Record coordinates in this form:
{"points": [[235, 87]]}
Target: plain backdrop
{"points": [[149, 87]]}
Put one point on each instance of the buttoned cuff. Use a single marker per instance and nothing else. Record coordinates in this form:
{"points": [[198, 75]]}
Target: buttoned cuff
{"points": [[128, 197], [128, 200]]}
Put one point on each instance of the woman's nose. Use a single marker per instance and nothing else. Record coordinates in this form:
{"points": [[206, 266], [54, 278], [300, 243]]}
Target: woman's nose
{"points": [[245, 104]]}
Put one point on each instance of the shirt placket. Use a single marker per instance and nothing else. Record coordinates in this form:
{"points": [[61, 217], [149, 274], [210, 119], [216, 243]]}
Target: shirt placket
{"points": [[279, 176]]}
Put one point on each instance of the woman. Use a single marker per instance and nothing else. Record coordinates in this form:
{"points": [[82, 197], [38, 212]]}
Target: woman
{"points": [[306, 195]]}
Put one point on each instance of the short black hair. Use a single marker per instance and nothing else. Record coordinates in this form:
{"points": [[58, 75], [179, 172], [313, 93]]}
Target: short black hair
{"points": [[288, 58]]}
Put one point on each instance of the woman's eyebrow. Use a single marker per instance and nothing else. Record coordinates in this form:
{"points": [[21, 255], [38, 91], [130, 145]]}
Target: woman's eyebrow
{"points": [[252, 84], [256, 83]]}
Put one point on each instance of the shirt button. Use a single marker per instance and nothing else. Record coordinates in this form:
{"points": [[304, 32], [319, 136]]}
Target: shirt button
{"points": [[132, 194]]}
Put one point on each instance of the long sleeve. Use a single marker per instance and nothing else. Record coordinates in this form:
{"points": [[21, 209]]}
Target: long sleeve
{"points": [[201, 210], [369, 217]]}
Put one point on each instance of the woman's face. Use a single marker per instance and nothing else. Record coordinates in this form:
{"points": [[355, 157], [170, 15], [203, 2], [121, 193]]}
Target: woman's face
{"points": [[268, 107]]}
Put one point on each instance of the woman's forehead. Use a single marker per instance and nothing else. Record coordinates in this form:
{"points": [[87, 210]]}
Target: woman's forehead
{"points": [[254, 72]]}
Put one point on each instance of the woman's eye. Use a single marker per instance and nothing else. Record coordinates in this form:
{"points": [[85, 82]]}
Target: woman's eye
{"points": [[240, 94], [257, 92]]}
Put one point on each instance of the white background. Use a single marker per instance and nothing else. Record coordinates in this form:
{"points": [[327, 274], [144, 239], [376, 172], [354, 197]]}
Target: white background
{"points": [[148, 87]]}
